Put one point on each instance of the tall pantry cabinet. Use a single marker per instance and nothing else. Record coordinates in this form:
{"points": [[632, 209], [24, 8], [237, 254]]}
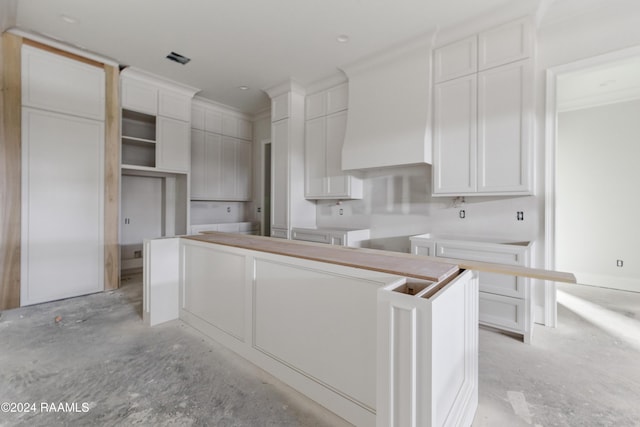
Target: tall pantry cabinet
{"points": [[289, 208], [483, 113], [63, 179]]}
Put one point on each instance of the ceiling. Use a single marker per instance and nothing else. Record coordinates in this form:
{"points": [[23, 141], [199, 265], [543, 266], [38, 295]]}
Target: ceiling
{"points": [[233, 43]]}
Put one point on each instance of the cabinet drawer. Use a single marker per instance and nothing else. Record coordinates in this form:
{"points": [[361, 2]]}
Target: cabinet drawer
{"points": [[423, 248], [501, 284], [503, 254], [308, 236], [502, 312]]}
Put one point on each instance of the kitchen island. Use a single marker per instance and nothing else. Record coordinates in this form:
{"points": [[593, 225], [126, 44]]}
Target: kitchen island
{"points": [[378, 338]]}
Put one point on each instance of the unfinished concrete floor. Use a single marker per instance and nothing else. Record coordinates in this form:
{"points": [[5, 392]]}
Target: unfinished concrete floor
{"points": [[584, 373]]}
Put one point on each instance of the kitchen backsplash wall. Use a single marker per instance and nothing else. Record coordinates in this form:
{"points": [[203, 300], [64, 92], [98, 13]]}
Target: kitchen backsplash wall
{"points": [[397, 204], [214, 212]]}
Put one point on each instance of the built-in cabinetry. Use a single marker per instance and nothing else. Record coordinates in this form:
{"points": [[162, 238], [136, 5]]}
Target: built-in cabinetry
{"points": [[246, 227], [220, 154], [156, 158], [63, 179], [326, 124], [483, 113], [288, 204], [505, 301], [155, 123], [332, 236]]}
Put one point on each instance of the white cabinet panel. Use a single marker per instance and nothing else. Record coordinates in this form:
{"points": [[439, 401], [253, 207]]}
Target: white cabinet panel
{"points": [[174, 105], [139, 96], [213, 121], [507, 43], [316, 105], [55, 83], [173, 145], [229, 125], [504, 128], [315, 158], [228, 168], [456, 59], [245, 129], [279, 233], [197, 117], [454, 167], [502, 312], [243, 170], [62, 206], [280, 107], [280, 175], [337, 99], [198, 164], [338, 183]]}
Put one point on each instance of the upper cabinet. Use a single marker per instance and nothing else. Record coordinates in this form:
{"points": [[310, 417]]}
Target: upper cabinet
{"points": [[325, 130], [483, 113], [155, 123], [221, 148]]}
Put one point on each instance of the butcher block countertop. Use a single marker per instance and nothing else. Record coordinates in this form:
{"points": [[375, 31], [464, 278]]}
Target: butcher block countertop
{"points": [[401, 264]]}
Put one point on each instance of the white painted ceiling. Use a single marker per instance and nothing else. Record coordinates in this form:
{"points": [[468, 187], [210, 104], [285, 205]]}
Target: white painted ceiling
{"points": [[231, 43]]}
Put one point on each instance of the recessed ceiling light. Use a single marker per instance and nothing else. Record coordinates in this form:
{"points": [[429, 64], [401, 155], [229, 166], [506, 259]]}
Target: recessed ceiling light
{"points": [[342, 38], [69, 19], [243, 87]]}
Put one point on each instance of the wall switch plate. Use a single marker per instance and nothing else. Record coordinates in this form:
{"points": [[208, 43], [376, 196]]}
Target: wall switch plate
{"points": [[520, 215], [462, 213], [619, 263]]}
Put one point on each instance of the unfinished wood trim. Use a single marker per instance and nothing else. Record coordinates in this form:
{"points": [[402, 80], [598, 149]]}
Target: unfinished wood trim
{"points": [[111, 179], [10, 170], [63, 53]]}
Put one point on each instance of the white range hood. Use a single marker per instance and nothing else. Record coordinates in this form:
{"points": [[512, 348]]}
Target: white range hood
{"points": [[389, 109]]}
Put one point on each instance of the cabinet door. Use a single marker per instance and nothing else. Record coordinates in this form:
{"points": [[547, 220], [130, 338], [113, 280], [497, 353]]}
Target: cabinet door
{"points": [[337, 98], [504, 128], [198, 164], [245, 129], [139, 96], [243, 170], [213, 165], [454, 143], [337, 181], [280, 107], [315, 105], [197, 117], [229, 125], [280, 175], [174, 105], [62, 206], [228, 168], [456, 59], [504, 44], [315, 157], [212, 121], [56, 83], [173, 145]]}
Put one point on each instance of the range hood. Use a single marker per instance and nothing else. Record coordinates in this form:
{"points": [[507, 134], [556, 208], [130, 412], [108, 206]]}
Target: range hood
{"points": [[389, 109]]}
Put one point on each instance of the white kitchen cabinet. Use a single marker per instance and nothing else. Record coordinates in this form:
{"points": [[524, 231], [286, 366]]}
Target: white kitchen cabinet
{"points": [[221, 164], [57, 83], [505, 301], [483, 120], [332, 236], [456, 59], [174, 105], [505, 114], [324, 137], [454, 142], [173, 152], [505, 44], [139, 96], [289, 208]]}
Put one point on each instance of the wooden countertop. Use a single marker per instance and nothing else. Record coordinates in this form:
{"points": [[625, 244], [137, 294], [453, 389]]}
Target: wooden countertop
{"points": [[401, 264]]}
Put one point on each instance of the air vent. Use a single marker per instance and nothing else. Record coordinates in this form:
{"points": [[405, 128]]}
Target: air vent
{"points": [[178, 58]]}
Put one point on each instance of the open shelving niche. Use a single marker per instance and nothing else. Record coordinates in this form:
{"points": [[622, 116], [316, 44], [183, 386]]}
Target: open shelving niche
{"points": [[138, 139]]}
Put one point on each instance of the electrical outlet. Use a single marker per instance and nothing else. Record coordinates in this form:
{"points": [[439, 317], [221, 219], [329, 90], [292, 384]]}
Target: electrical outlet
{"points": [[341, 211], [619, 263], [520, 215], [228, 209], [259, 210], [462, 213], [137, 254]]}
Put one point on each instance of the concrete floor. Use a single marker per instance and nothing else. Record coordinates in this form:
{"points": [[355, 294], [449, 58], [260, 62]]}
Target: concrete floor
{"points": [[584, 373]]}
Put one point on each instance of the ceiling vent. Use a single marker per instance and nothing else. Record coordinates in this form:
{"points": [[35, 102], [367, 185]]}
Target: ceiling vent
{"points": [[178, 58]]}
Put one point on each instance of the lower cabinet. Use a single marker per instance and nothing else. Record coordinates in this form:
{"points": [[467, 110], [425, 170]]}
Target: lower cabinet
{"points": [[338, 237], [505, 301]]}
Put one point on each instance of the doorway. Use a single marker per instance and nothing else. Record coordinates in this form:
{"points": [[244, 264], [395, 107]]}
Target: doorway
{"points": [[266, 189], [593, 187]]}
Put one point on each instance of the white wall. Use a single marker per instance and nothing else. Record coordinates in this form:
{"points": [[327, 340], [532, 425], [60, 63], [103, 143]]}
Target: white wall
{"points": [[597, 187], [8, 11]]}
